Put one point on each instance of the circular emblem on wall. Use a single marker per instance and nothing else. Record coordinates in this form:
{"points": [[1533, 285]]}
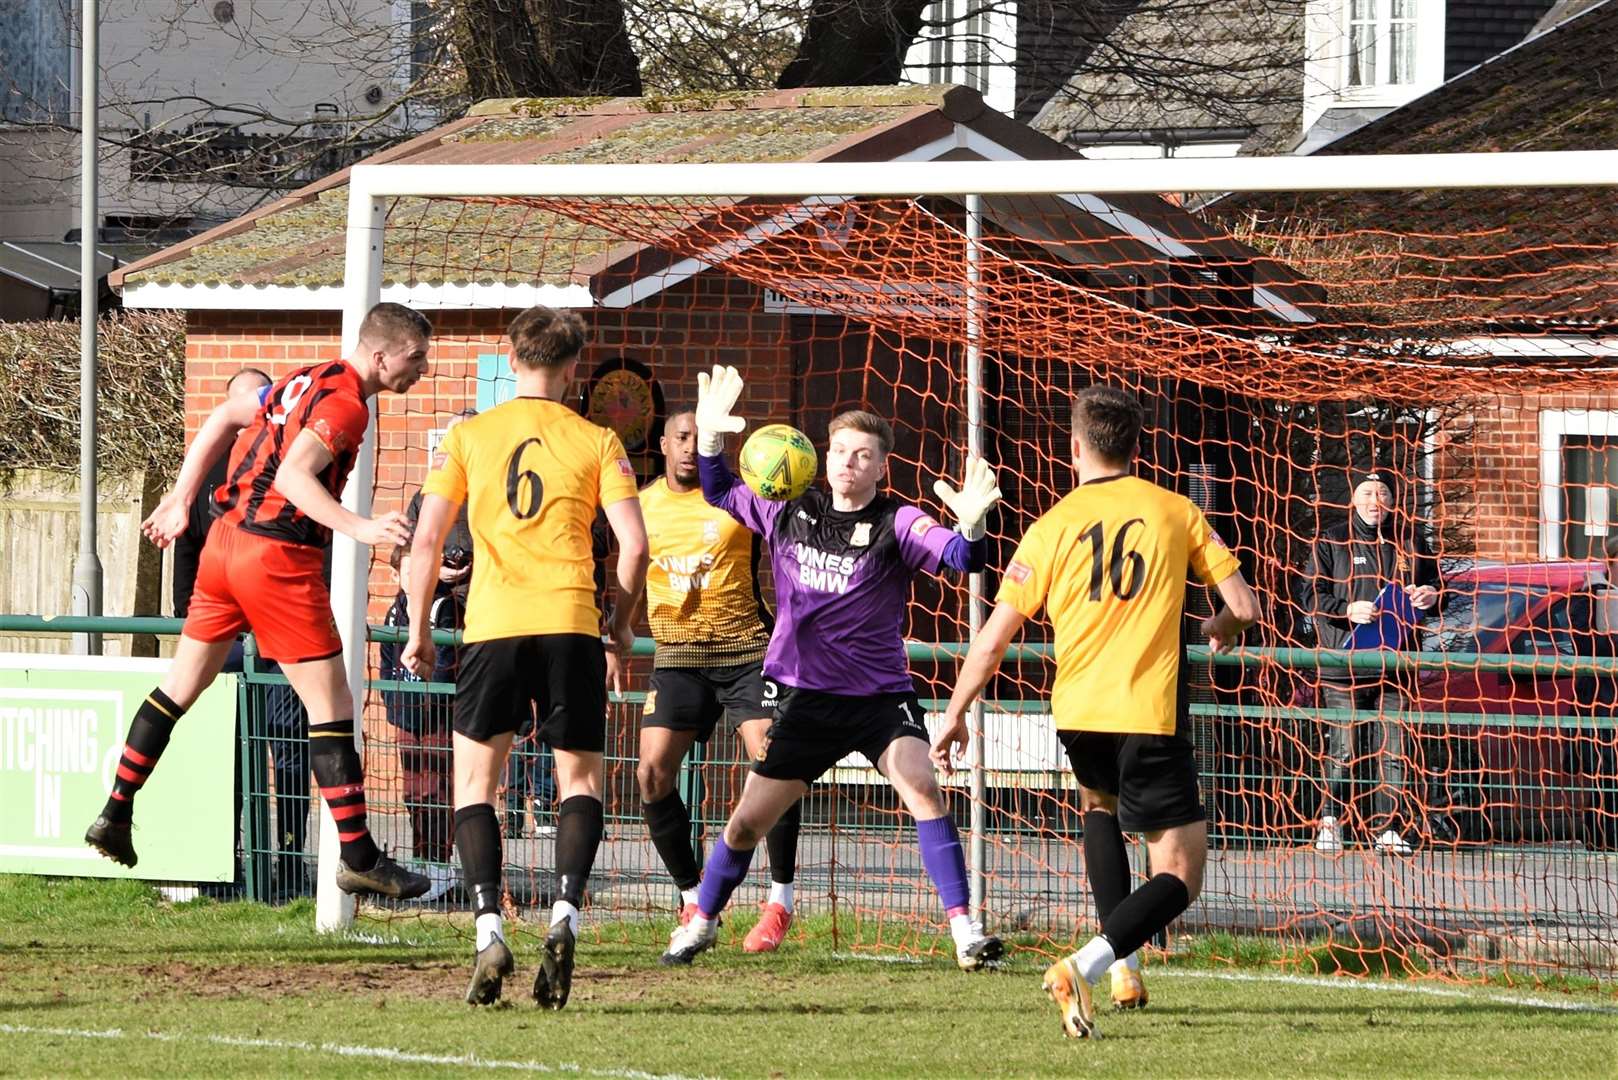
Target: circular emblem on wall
{"points": [[624, 396]]}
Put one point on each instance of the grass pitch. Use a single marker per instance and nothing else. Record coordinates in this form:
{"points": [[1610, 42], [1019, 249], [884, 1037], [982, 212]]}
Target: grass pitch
{"points": [[102, 978]]}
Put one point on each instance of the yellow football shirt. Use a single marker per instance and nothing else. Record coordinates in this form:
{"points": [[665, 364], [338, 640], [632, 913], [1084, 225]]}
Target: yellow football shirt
{"points": [[702, 595], [1109, 564], [532, 473]]}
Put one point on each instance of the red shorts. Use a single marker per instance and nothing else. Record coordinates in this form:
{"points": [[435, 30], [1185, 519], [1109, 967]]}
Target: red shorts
{"points": [[272, 587]]}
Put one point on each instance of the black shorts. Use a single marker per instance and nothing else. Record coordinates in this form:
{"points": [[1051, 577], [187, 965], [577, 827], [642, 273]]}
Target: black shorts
{"points": [[814, 731], [560, 678], [1153, 776], [693, 699]]}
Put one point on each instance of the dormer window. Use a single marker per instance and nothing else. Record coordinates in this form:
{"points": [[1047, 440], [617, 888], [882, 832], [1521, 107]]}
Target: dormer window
{"points": [[1361, 56], [1381, 43]]}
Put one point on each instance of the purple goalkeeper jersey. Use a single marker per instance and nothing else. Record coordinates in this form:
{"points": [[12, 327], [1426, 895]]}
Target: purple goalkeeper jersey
{"points": [[842, 581]]}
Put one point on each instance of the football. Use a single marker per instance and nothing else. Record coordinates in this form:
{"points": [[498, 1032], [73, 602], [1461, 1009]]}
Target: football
{"points": [[778, 462]]}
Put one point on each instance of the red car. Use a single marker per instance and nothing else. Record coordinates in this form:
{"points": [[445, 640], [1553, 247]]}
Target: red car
{"points": [[1547, 772]]}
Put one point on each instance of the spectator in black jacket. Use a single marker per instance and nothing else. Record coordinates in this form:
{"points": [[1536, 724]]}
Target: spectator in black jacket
{"points": [[1350, 568]]}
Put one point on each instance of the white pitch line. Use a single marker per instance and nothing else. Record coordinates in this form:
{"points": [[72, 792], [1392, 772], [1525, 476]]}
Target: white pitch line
{"points": [[1347, 983], [1344, 983], [381, 1053], [876, 958]]}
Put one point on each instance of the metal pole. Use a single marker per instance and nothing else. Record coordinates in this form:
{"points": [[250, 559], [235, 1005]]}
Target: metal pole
{"points": [[974, 448], [350, 563], [87, 572]]}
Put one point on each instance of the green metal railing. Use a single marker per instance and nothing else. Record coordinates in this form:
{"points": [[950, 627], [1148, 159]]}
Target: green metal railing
{"points": [[1032, 818]]}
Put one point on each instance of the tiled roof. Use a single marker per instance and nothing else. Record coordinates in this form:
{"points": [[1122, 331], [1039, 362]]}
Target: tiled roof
{"points": [[1546, 254], [1225, 64], [298, 240], [1475, 30]]}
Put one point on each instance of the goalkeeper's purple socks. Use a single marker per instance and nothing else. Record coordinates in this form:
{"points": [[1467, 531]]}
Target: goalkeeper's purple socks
{"points": [[941, 854], [725, 870]]}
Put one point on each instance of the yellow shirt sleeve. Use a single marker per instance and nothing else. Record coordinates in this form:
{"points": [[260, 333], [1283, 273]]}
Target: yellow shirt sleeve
{"points": [[1027, 578], [1210, 558], [449, 482], [617, 473]]}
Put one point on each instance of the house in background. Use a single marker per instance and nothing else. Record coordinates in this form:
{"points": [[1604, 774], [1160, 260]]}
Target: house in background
{"points": [[267, 289], [1227, 77], [208, 109], [1017, 54], [1549, 484]]}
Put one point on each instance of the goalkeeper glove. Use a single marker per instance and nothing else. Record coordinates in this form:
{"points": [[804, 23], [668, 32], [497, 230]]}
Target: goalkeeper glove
{"points": [[716, 396], [971, 504]]}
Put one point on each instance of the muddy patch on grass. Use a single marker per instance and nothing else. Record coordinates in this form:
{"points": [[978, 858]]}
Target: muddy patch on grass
{"points": [[429, 980]]}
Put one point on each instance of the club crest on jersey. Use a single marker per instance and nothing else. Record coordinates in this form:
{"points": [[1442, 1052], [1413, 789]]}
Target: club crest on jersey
{"points": [[626, 468], [1019, 572], [1213, 534], [861, 537], [710, 532], [922, 527]]}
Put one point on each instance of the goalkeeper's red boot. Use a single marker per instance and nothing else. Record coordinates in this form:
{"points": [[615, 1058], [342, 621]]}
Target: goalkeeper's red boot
{"points": [[1071, 993], [770, 930]]}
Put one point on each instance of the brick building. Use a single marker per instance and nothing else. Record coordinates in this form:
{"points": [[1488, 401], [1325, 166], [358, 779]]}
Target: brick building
{"points": [[265, 290]]}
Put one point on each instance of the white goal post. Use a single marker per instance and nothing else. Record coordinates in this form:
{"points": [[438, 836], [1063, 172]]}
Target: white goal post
{"points": [[370, 186]]}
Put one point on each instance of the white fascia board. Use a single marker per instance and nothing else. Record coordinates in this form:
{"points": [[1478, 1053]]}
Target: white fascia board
{"points": [[1093, 205], [649, 286], [456, 296], [1526, 346], [1098, 207]]}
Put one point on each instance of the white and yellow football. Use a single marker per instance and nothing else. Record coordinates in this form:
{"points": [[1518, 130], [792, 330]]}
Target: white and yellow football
{"points": [[778, 462]]}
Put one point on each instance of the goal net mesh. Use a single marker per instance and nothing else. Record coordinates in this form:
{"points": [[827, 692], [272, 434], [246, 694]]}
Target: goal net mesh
{"points": [[1281, 344]]}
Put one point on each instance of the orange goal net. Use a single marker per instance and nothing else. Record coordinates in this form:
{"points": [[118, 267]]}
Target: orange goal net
{"points": [[1448, 808]]}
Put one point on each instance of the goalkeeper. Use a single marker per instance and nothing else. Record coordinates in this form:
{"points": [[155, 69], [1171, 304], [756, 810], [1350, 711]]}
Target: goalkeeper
{"points": [[843, 558]]}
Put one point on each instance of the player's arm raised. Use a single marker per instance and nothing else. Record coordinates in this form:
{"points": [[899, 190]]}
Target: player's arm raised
{"points": [[298, 480], [982, 661], [717, 393], [215, 437], [964, 549]]}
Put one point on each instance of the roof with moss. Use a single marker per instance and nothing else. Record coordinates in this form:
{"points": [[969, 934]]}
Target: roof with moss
{"points": [[298, 240]]}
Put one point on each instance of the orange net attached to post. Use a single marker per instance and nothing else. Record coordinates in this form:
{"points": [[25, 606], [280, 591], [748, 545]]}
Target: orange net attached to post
{"points": [[1281, 345]]}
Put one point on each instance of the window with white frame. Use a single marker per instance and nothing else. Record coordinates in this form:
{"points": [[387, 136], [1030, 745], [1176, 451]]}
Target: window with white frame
{"points": [[1370, 53], [1381, 45], [1578, 482], [968, 42]]}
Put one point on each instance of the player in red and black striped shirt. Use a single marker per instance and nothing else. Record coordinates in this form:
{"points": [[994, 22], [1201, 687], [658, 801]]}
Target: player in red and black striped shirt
{"points": [[261, 569]]}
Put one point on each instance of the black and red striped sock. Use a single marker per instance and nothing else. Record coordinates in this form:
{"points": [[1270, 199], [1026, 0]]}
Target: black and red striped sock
{"points": [[341, 779], [148, 736]]}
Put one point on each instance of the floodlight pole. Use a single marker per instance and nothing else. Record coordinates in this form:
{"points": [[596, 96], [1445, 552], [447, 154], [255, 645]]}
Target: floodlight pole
{"points": [[87, 571], [974, 448], [350, 563]]}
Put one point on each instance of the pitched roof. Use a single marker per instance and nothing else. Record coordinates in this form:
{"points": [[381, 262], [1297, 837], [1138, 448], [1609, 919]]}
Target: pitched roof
{"points": [[1227, 64], [1510, 256], [503, 253], [298, 240], [1554, 91]]}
